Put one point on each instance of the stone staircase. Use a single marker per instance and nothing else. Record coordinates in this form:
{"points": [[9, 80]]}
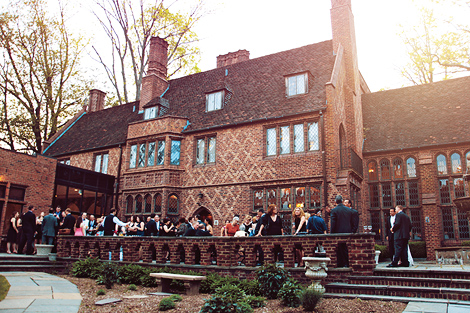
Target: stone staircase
{"points": [[30, 263], [406, 284]]}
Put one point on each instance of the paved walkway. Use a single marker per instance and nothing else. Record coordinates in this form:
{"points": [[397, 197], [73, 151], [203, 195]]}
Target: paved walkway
{"points": [[39, 292]]}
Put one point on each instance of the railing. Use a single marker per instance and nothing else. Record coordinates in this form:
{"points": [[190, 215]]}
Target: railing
{"points": [[349, 159], [219, 251]]}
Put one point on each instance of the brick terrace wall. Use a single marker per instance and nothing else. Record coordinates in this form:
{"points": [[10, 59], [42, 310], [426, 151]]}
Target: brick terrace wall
{"points": [[36, 173], [361, 250]]}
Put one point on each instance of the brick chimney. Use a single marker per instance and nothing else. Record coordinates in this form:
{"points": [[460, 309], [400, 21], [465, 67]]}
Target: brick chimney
{"points": [[96, 100], [232, 58], [155, 83]]}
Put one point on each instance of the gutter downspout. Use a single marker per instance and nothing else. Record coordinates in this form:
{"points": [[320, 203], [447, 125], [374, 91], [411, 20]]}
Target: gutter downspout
{"points": [[323, 154], [116, 183]]}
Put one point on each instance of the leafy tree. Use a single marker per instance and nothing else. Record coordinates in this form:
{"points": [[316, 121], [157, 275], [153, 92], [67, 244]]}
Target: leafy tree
{"points": [[129, 25], [41, 84]]}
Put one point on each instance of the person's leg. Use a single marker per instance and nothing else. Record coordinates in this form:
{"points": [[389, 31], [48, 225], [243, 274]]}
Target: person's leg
{"points": [[398, 251], [404, 254], [22, 243], [391, 248], [29, 243], [8, 247]]}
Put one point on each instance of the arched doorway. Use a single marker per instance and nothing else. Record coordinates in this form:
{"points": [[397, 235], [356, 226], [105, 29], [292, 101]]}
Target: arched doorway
{"points": [[204, 214]]}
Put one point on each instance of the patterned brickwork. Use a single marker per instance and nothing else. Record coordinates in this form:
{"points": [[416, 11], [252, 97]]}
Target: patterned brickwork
{"points": [[151, 127], [87, 160]]}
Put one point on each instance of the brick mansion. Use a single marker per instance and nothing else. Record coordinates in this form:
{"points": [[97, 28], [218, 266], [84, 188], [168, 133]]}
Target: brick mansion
{"points": [[294, 128]]}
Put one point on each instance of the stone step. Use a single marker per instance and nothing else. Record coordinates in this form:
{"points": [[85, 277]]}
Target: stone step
{"points": [[400, 291], [411, 281], [49, 268], [429, 273]]}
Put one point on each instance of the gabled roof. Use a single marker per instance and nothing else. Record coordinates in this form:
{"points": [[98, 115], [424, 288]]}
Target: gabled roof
{"points": [[257, 91], [96, 130], [418, 116]]}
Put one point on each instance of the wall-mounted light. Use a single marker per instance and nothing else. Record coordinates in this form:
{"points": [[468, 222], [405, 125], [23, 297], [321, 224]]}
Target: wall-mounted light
{"points": [[200, 195]]}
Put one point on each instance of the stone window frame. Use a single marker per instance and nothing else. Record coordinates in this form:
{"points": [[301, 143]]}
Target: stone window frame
{"points": [[102, 155], [205, 153]]}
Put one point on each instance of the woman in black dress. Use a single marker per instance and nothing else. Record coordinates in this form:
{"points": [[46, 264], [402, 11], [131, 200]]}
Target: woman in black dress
{"points": [[12, 233], [299, 228], [274, 228]]}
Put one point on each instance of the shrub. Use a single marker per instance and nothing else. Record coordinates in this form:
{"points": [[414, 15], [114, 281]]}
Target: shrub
{"points": [[256, 302], [166, 304], [271, 278], [89, 267], [101, 292], [130, 274], [109, 275], [227, 298], [146, 280], [250, 287], [310, 298], [418, 249], [207, 285], [176, 298], [384, 253], [290, 294], [465, 243], [132, 287]]}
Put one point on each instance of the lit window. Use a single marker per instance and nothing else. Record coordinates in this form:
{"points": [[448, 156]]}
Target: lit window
{"points": [[284, 140], [411, 167], [214, 101], [133, 156], [313, 142], [456, 163], [161, 152], [296, 85], [101, 163], [151, 154], [299, 138], [285, 199], [150, 113], [175, 152], [173, 204], [372, 171], [441, 165]]}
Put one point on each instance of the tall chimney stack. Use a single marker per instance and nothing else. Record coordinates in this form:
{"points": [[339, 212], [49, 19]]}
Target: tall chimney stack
{"points": [[96, 100], [155, 83]]}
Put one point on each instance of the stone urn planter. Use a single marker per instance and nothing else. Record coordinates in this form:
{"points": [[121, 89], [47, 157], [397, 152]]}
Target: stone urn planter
{"points": [[377, 254], [316, 269], [53, 257], [44, 249]]}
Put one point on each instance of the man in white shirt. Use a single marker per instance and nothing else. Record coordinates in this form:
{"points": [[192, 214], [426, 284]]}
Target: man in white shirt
{"points": [[390, 223]]}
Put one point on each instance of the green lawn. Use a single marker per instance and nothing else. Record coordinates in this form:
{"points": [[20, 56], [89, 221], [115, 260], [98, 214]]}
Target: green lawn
{"points": [[4, 287]]}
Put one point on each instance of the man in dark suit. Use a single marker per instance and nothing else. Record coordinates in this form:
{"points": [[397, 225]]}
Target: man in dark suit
{"points": [[390, 236], [349, 204], [29, 228], [69, 222], [192, 229], [341, 222], [49, 225], [151, 226], [401, 231]]}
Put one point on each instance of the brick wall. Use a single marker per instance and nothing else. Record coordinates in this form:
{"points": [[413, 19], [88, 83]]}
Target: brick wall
{"points": [[86, 160]]}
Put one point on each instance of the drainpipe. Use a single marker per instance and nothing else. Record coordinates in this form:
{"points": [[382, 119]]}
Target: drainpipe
{"points": [[323, 154], [116, 184]]}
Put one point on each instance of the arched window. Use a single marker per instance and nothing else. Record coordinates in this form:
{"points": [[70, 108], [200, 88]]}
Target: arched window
{"points": [[441, 164], [158, 203], [129, 202], [411, 167], [397, 169], [385, 169], [456, 163], [173, 204], [372, 171], [138, 204], [148, 203]]}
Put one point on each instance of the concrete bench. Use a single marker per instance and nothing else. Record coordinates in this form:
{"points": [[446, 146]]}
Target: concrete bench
{"points": [[191, 283]]}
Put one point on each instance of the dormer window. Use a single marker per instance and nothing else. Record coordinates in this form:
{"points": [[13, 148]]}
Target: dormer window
{"points": [[214, 101], [150, 113], [297, 84]]}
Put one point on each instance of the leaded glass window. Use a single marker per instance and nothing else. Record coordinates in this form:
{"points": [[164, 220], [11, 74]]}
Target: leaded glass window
{"points": [[133, 156], [297, 85], [413, 193], [397, 169], [374, 195], [315, 197], [129, 204], [148, 203], [416, 231], [376, 224], [387, 195], [104, 166], [300, 196], [444, 191], [299, 138], [200, 151], [372, 171], [173, 204], [150, 113], [285, 198], [271, 141], [98, 163], [400, 193], [211, 150], [161, 152], [175, 152], [272, 196], [463, 224], [448, 223], [138, 204], [385, 169], [258, 199], [214, 101], [411, 167], [441, 165], [456, 163], [284, 140], [151, 154], [157, 199], [459, 188], [141, 162], [313, 142]]}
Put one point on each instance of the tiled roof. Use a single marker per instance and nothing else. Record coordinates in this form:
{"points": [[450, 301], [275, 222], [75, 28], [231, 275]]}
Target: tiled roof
{"points": [[431, 114], [96, 130], [257, 90]]}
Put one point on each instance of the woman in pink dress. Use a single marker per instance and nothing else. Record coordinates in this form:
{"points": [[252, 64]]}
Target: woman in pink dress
{"points": [[79, 226]]}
